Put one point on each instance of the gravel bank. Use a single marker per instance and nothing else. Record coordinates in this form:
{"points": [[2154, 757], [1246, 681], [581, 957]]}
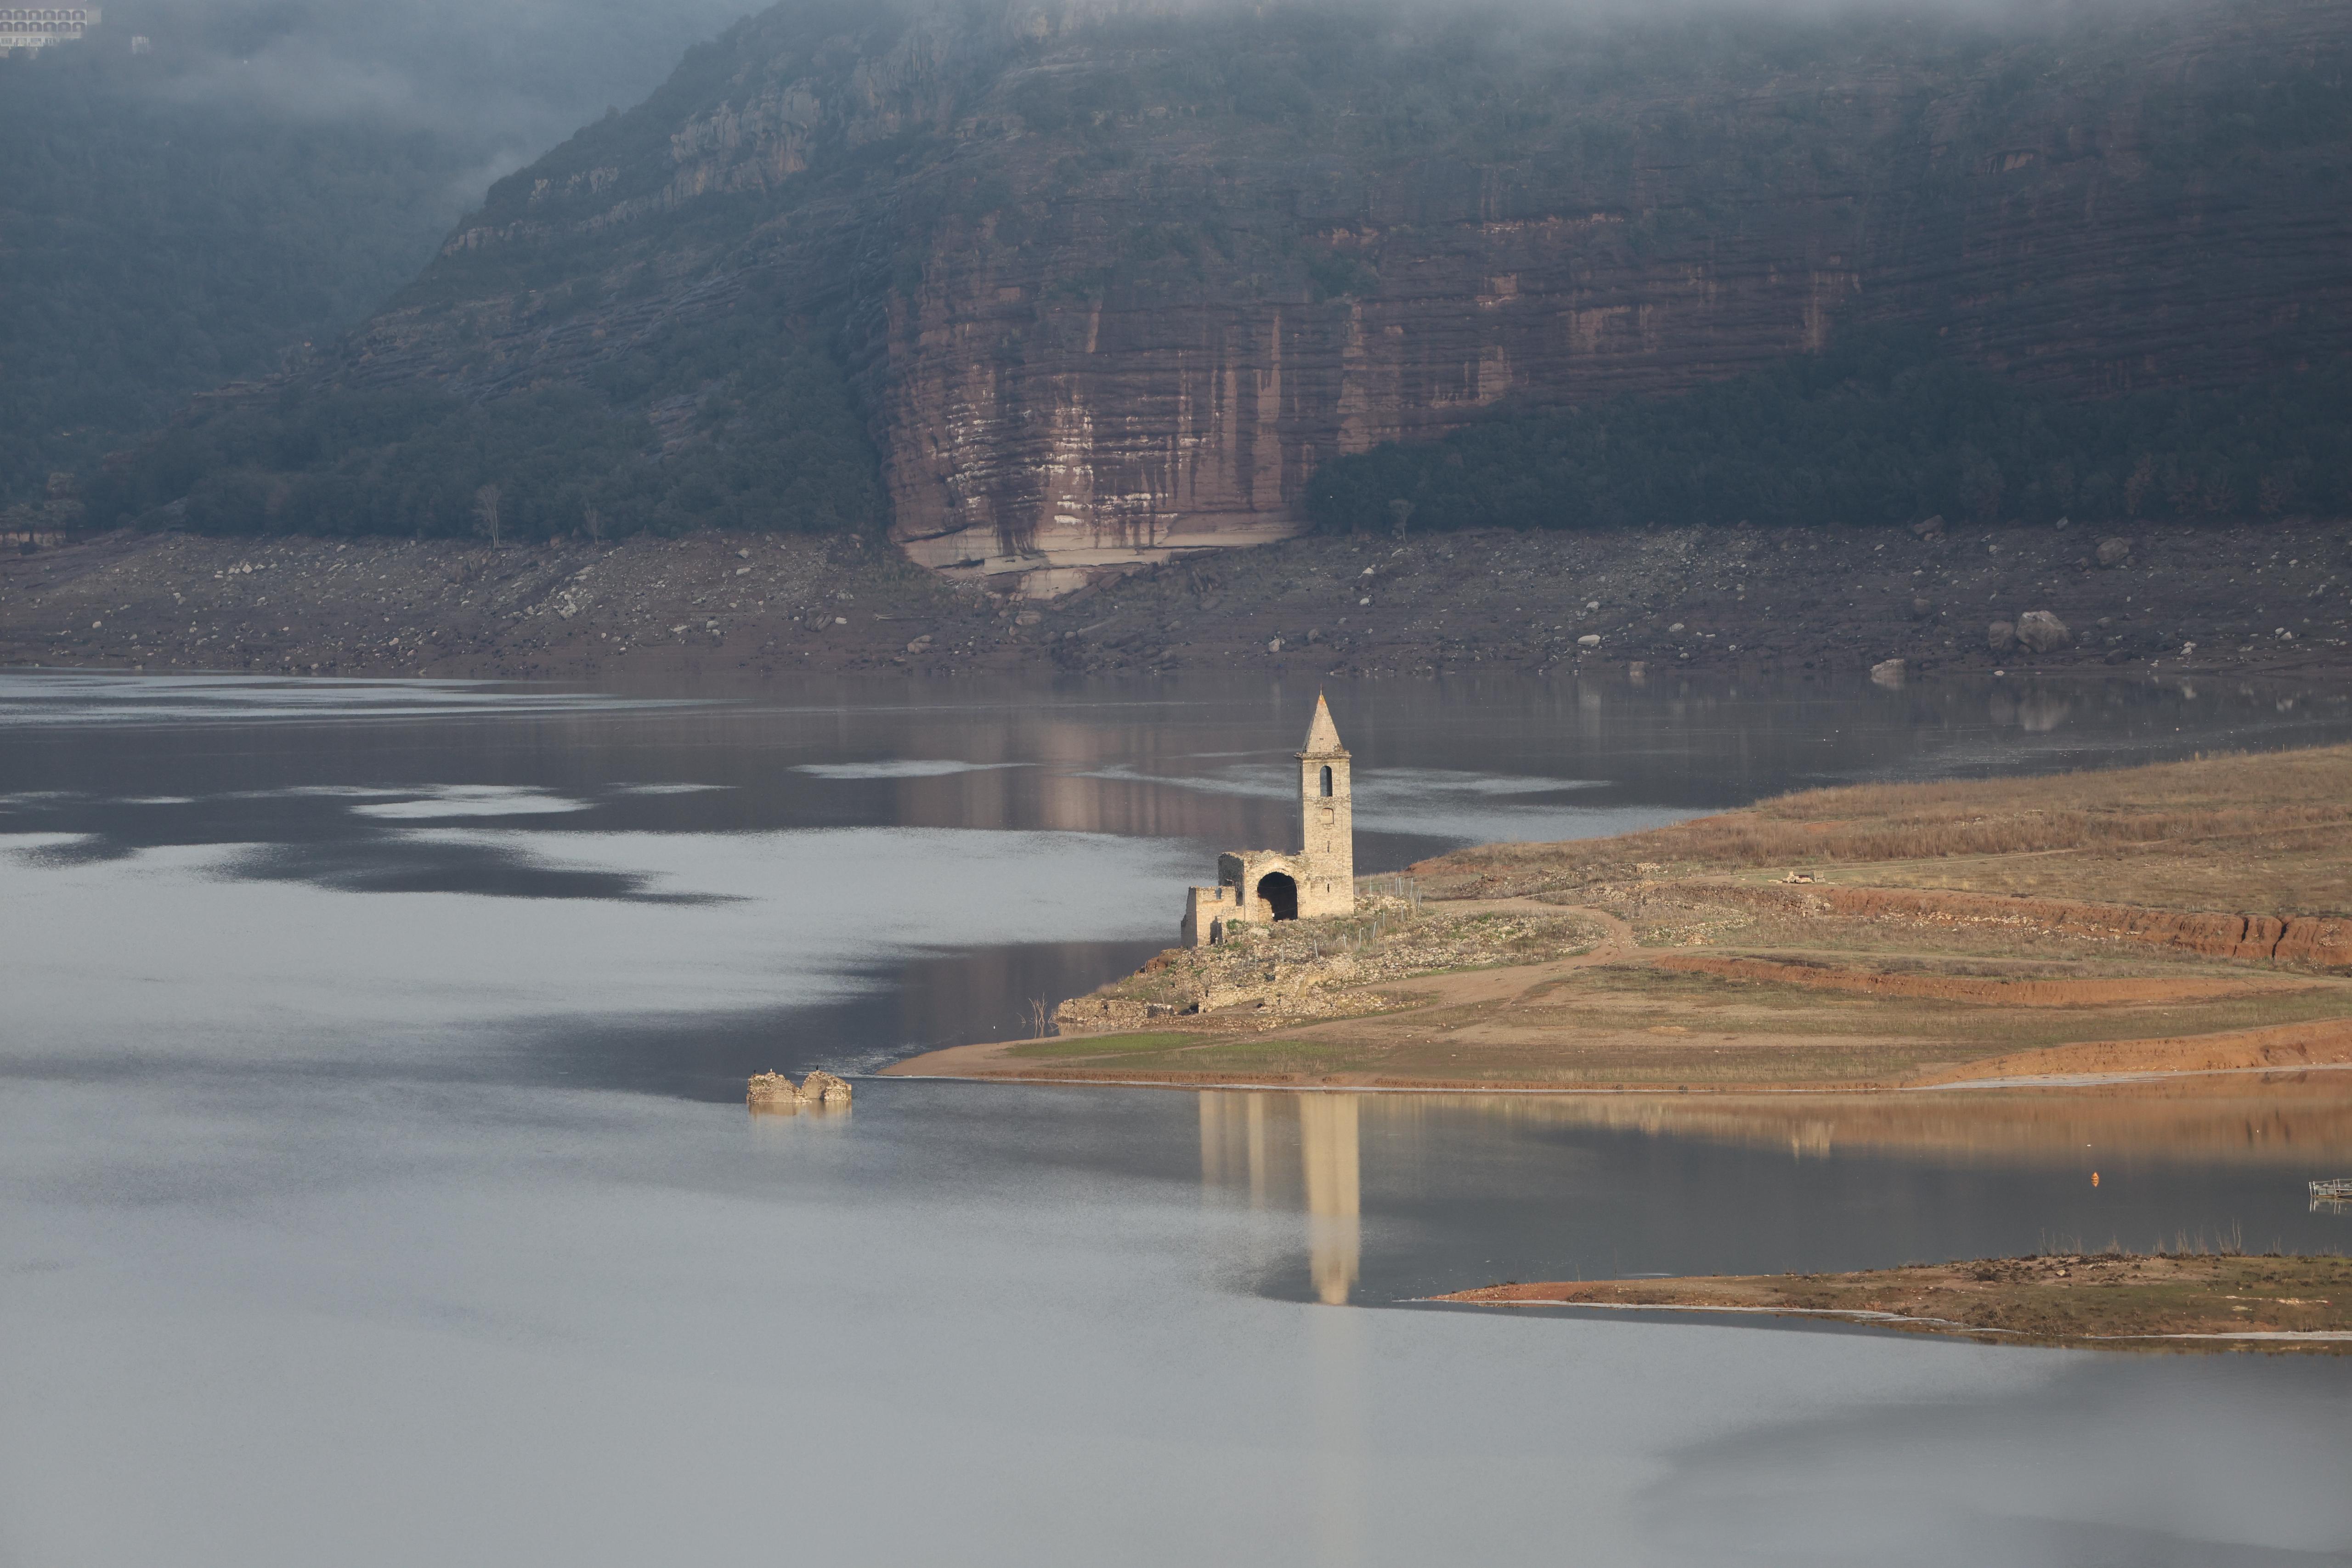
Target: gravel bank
{"points": [[2267, 597]]}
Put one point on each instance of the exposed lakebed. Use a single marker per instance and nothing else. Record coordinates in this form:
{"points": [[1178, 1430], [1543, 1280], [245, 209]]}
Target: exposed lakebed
{"points": [[377, 1186]]}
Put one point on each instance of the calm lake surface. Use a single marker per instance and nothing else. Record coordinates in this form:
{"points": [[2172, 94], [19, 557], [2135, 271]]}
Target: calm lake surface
{"points": [[375, 1185]]}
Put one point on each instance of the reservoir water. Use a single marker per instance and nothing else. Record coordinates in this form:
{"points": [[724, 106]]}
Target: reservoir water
{"points": [[375, 1185]]}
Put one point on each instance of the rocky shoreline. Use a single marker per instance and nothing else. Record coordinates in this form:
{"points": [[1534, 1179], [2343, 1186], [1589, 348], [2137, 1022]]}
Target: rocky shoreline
{"points": [[2114, 1299], [2270, 596]]}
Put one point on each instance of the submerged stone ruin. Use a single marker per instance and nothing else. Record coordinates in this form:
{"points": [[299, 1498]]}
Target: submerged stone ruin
{"points": [[773, 1091]]}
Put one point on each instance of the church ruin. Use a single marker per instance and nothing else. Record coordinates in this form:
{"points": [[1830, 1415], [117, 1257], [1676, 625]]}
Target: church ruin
{"points": [[1259, 886]]}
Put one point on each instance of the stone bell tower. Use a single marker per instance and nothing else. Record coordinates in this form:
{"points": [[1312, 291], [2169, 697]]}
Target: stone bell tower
{"points": [[1258, 887], [1327, 823]]}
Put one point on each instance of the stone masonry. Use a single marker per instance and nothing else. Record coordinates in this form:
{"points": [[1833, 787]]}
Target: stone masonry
{"points": [[1258, 885]]}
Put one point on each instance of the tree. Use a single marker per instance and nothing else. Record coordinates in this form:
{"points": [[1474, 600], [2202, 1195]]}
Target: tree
{"points": [[486, 510]]}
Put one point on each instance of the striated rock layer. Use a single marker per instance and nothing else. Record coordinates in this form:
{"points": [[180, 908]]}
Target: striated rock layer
{"points": [[1112, 281]]}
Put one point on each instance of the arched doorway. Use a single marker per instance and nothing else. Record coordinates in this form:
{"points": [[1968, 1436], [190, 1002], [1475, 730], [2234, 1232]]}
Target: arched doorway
{"points": [[1280, 893]]}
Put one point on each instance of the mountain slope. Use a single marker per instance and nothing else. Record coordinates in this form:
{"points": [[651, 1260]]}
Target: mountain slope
{"points": [[1102, 284], [262, 172]]}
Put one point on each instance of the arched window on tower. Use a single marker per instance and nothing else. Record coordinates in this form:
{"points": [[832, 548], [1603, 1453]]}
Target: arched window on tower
{"points": [[1327, 782]]}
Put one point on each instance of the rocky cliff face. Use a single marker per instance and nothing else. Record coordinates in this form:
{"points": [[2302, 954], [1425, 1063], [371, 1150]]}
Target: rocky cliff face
{"points": [[1111, 282]]}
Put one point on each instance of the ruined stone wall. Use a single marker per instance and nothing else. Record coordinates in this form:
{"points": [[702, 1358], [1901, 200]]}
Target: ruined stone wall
{"points": [[1206, 912]]}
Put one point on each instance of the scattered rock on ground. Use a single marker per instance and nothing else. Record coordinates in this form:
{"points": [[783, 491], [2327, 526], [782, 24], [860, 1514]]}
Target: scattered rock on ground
{"points": [[2039, 631], [2114, 552], [643, 608], [2001, 637]]}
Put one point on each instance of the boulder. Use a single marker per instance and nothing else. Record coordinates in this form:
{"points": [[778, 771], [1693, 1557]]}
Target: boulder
{"points": [[771, 1089], [1922, 608], [1590, 639], [1888, 672], [823, 1087], [2039, 631], [2114, 552], [2000, 636], [1931, 528]]}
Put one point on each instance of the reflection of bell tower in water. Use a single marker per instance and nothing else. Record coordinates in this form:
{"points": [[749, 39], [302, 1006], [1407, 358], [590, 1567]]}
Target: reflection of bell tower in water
{"points": [[1327, 1152], [1234, 1154]]}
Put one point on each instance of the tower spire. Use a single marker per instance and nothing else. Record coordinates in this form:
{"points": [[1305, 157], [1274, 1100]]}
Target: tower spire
{"points": [[1322, 735]]}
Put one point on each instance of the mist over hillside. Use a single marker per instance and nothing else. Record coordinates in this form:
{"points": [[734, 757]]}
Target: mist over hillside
{"points": [[259, 175], [1055, 289]]}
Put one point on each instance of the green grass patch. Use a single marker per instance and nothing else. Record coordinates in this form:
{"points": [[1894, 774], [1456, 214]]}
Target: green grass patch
{"points": [[1231, 1054], [1106, 1045], [1202, 1053]]}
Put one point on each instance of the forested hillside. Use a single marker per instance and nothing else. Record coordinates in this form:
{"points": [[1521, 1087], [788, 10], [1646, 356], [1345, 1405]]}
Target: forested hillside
{"points": [[1886, 425], [263, 176], [1061, 289]]}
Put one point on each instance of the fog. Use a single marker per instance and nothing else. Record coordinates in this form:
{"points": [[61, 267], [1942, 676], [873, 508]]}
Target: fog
{"points": [[521, 74], [507, 78]]}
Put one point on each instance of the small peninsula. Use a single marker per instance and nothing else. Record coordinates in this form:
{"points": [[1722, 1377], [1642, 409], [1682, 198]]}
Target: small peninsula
{"points": [[2187, 920]]}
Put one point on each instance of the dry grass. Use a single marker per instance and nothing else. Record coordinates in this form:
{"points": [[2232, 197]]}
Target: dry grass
{"points": [[1626, 999], [2268, 833], [1900, 971]]}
